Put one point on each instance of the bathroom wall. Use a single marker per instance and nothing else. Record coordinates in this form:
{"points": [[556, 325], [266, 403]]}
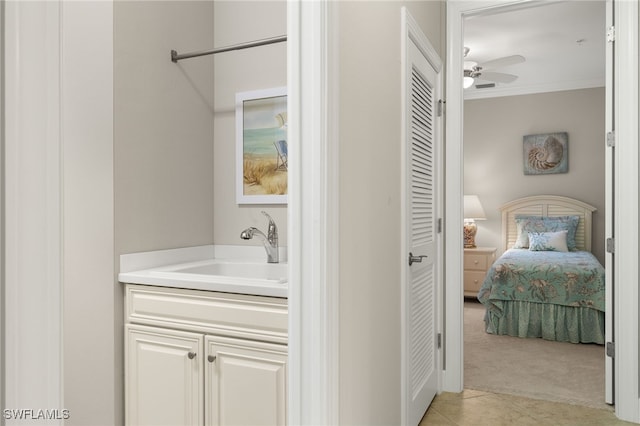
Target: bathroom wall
{"points": [[175, 139], [92, 340], [370, 205], [164, 129], [493, 158], [239, 71], [163, 136]]}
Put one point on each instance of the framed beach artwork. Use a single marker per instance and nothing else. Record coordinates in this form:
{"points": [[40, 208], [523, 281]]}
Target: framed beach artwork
{"points": [[261, 146], [546, 153]]}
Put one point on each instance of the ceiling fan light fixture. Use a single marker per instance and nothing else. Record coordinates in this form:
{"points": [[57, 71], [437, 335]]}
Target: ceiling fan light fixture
{"points": [[469, 65], [467, 82]]}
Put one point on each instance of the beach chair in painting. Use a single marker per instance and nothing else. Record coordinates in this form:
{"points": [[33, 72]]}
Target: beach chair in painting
{"points": [[282, 160]]}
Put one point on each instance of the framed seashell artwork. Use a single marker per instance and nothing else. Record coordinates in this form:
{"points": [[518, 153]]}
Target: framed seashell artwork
{"points": [[546, 153]]}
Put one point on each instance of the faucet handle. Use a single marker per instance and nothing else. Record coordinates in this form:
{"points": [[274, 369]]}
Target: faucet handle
{"points": [[271, 221], [272, 231]]}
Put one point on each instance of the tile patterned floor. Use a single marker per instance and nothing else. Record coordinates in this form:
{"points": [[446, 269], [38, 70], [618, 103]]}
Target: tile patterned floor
{"points": [[478, 408]]}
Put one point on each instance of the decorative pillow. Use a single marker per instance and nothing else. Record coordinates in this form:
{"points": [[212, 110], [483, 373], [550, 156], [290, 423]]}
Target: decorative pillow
{"points": [[548, 241], [526, 224]]}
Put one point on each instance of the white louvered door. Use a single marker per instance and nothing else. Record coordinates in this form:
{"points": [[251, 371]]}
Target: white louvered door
{"points": [[422, 239]]}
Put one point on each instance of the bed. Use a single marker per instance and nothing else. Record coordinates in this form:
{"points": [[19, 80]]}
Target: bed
{"points": [[536, 288]]}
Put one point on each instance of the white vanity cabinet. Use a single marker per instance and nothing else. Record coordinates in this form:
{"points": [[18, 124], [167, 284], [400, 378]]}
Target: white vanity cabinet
{"points": [[164, 377], [245, 382], [204, 358]]}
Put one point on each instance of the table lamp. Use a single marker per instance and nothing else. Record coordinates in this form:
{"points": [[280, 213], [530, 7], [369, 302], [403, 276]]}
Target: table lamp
{"points": [[472, 211]]}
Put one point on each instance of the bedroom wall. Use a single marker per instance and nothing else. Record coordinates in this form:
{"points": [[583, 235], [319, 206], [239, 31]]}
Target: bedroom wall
{"points": [[493, 158]]}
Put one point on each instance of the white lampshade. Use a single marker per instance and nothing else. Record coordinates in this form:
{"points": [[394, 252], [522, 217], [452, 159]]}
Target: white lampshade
{"points": [[473, 209]]}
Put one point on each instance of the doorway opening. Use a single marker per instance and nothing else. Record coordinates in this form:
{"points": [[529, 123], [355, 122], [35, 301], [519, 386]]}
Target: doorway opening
{"points": [[498, 113]]}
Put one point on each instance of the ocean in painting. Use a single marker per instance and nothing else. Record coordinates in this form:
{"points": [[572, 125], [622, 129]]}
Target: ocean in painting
{"points": [[259, 142]]}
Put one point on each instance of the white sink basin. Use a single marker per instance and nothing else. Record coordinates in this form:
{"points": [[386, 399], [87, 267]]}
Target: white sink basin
{"points": [[230, 269], [261, 279], [225, 270]]}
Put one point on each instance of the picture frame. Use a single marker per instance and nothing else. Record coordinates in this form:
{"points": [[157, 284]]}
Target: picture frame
{"points": [[261, 146], [546, 153]]}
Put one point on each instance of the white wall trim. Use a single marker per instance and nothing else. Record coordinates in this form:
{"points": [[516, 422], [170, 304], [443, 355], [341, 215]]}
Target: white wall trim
{"points": [[313, 215], [609, 204], [33, 203], [2, 211], [58, 125], [453, 337], [626, 220]]}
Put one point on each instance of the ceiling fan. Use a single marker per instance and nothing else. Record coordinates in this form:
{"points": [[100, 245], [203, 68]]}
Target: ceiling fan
{"points": [[473, 70]]}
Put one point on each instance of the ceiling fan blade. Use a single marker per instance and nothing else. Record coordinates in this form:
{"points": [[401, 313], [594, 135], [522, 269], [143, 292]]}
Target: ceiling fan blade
{"points": [[502, 62], [497, 77]]}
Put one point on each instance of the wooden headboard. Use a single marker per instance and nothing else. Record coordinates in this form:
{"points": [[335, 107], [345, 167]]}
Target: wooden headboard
{"points": [[547, 205]]}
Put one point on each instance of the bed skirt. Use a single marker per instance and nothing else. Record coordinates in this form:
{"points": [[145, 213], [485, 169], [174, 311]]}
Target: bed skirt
{"points": [[548, 321]]}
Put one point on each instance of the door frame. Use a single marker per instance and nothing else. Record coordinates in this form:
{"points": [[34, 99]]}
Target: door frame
{"points": [[609, 396], [49, 115], [313, 233], [626, 199], [32, 136], [626, 219]]}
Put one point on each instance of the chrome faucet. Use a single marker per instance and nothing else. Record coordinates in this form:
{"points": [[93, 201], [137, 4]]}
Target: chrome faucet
{"points": [[270, 240]]}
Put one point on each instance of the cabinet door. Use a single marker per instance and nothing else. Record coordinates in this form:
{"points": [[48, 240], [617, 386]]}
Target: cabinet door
{"points": [[245, 382], [164, 378]]}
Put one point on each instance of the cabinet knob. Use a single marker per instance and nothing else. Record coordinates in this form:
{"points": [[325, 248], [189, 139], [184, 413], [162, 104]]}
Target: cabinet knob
{"points": [[191, 355], [211, 358]]}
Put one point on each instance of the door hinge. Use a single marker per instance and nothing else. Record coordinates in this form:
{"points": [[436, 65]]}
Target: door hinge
{"points": [[611, 349], [611, 139], [611, 34], [441, 107], [439, 340], [439, 225], [611, 245]]}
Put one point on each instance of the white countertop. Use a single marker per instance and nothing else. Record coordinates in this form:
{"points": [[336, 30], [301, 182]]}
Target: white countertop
{"points": [[229, 269]]}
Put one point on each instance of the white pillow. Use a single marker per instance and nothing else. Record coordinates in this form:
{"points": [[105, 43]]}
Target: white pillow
{"points": [[548, 241]]}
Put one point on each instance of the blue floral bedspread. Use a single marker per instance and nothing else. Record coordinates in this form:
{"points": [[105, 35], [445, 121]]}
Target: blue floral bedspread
{"points": [[562, 278]]}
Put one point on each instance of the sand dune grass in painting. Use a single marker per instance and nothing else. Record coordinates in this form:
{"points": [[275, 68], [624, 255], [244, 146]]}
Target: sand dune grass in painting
{"points": [[263, 122], [261, 177]]}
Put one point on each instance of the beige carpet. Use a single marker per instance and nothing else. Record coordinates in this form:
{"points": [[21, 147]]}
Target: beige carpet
{"points": [[534, 368]]}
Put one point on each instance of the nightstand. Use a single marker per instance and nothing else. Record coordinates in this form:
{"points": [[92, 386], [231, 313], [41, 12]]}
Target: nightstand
{"points": [[477, 262]]}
